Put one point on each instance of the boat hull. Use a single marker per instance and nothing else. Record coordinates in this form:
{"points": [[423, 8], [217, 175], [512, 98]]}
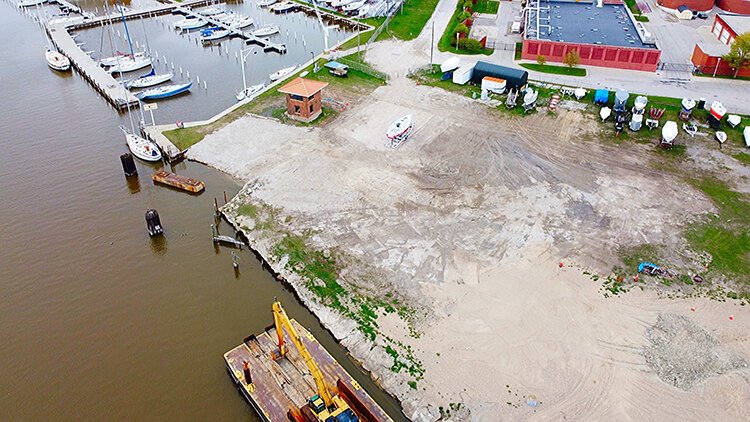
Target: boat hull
{"points": [[157, 94], [142, 148], [149, 81]]}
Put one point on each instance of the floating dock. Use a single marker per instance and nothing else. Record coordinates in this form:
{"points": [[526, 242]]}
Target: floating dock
{"points": [[176, 181], [285, 383]]}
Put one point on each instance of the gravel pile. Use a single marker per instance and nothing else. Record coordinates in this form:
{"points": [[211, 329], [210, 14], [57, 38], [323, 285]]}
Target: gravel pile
{"points": [[684, 354]]}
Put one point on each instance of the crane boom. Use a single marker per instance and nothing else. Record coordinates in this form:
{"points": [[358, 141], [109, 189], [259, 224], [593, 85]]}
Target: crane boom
{"points": [[281, 320]]}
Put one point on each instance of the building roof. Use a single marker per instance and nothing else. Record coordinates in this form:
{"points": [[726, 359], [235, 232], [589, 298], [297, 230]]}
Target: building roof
{"points": [[584, 23], [303, 87], [709, 44], [739, 24]]}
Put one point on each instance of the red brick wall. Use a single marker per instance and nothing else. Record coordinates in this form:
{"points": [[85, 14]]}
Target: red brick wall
{"points": [[645, 59], [741, 7], [707, 64], [699, 5]]}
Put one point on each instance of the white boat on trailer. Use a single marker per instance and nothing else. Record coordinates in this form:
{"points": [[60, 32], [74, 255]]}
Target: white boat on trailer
{"points": [[399, 131], [56, 60], [265, 31], [148, 80], [141, 147], [280, 74]]}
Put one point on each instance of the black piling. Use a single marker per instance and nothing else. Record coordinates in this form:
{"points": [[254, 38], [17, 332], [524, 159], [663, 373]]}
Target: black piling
{"points": [[153, 223], [128, 164]]}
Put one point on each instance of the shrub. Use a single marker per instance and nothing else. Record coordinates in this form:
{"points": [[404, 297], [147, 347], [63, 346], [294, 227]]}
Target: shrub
{"points": [[470, 44], [572, 58], [468, 4], [461, 28], [463, 16], [541, 60]]}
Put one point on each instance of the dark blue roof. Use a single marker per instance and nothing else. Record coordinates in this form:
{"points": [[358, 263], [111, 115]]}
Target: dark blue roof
{"points": [[584, 23]]}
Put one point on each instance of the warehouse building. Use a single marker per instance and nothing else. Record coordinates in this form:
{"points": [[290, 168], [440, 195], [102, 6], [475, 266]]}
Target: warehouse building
{"points": [[707, 54]]}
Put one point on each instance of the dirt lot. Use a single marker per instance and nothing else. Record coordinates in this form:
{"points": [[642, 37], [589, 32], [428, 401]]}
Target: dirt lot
{"points": [[466, 222]]}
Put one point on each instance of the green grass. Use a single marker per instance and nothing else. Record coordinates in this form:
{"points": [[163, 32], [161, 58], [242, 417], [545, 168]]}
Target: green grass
{"points": [[708, 75], [519, 51], [409, 21], [633, 256], [487, 6], [742, 157], [556, 70], [726, 237], [444, 44], [184, 138], [641, 18], [352, 43]]}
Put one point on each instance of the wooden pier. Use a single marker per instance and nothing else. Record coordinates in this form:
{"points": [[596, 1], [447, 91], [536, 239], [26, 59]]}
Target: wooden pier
{"points": [[99, 78]]}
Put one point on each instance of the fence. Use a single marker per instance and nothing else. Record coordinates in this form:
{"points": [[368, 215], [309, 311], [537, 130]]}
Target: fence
{"points": [[360, 66]]}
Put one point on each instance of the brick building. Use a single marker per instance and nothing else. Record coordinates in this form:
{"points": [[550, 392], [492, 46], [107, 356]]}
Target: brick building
{"points": [[603, 34], [707, 54], [304, 99]]}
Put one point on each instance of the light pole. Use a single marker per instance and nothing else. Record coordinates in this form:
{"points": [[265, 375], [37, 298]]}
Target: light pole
{"points": [[244, 57], [315, 62]]}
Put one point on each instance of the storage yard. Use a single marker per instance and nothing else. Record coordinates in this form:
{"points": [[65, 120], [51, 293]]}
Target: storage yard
{"points": [[489, 226]]}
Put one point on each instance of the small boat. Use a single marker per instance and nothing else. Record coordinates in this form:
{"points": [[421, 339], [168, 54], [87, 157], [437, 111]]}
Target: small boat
{"points": [[746, 135], [284, 7], [363, 11], [176, 181], [734, 120], [605, 112], [669, 132], [164, 91], [282, 73], [141, 147], [239, 23], [351, 7], [621, 98], [579, 93], [266, 31], [29, 3], [148, 80], [266, 3], [112, 61], [215, 35], [635, 122], [56, 61], [690, 128], [717, 110], [338, 4], [688, 104], [721, 137], [452, 63], [211, 11], [130, 65], [529, 99], [191, 23], [640, 104], [399, 127], [249, 91]]}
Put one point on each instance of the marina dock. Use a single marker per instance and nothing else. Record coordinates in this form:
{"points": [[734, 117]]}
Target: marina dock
{"points": [[279, 385]]}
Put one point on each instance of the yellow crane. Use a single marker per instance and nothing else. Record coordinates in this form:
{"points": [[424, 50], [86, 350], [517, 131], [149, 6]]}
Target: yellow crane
{"points": [[324, 405]]}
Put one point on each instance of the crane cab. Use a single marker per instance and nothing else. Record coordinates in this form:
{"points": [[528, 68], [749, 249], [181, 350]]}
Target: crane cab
{"points": [[340, 412]]}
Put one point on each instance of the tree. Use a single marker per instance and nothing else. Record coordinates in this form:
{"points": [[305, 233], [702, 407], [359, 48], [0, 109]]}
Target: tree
{"points": [[470, 44], [541, 60], [739, 53], [461, 28], [572, 58]]}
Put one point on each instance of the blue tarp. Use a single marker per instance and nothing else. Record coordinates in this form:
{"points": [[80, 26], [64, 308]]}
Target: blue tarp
{"points": [[643, 265], [601, 96]]}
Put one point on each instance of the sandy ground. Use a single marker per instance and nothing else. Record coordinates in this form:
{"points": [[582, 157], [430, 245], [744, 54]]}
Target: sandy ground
{"points": [[469, 219]]}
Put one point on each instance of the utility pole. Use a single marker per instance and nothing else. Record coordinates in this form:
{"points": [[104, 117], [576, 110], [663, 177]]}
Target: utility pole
{"points": [[432, 41]]}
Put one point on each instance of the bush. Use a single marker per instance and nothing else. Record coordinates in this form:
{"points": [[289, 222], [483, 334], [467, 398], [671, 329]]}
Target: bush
{"points": [[461, 28], [463, 16], [572, 58], [541, 60], [468, 4], [470, 44]]}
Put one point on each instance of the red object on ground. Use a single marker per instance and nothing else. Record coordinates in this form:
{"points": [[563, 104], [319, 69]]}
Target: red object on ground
{"points": [[560, 264], [731, 317], [635, 278], [692, 309]]}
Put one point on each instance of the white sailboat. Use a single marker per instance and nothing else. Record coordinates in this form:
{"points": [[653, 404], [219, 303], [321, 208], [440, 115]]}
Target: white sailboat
{"points": [[266, 3], [279, 74], [215, 35], [190, 23], [211, 11], [284, 7], [141, 147], [128, 64], [29, 3], [266, 31], [112, 61], [249, 91], [56, 61], [148, 80], [399, 131], [351, 7]]}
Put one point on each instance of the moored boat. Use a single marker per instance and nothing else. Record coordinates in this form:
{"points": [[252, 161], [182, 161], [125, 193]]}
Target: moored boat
{"points": [[112, 61], [148, 80], [191, 23], [176, 181], [249, 91], [266, 31], [164, 91], [266, 3], [279, 74], [240, 22], [130, 65], [141, 147], [284, 7], [56, 60], [213, 35], [211, 11]]}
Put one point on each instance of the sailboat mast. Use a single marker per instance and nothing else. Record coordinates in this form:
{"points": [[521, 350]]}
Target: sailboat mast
{"points": [[127, 33]]}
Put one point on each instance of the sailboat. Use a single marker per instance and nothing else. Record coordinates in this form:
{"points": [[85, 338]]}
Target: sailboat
{"points": [[213, 34], [265, 31], [190, 23], [164, 91], [249, 91], [141, 147], [281, 73], [148, 80], [29, 3], [56, 61], [266, 3], [112, 61], [128, 64]]}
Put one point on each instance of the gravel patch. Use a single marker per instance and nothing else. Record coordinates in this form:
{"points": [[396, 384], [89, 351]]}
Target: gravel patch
{"points": [[684, 354]]}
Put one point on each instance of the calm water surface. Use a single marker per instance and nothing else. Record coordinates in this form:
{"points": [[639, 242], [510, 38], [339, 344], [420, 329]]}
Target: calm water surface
{"points": [[98, 321]]}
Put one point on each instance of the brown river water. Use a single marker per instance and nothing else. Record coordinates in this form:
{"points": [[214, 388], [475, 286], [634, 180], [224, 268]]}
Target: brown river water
{"points": [[97, 320]]}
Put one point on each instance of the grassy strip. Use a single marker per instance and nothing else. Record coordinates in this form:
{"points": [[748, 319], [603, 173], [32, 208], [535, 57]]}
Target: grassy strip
{"points": [[449, 35], [742, 157], [488, 6], [361, 39], [409, 21], [708, 75], [556, 70], [519, 51]]}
